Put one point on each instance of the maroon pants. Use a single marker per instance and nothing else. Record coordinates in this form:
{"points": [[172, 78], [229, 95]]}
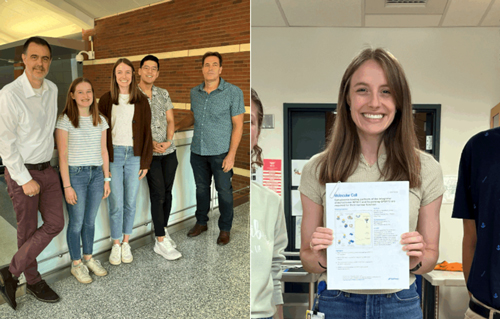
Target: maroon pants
{"points": [[31, 240]]}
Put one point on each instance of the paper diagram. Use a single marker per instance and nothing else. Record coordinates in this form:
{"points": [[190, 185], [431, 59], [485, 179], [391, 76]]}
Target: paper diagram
{"points": [[296, 203], [297, 166], [298, 223], [353, 229]]}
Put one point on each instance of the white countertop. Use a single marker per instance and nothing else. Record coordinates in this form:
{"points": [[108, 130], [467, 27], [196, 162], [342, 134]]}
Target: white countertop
{"points": [[445, 278]]}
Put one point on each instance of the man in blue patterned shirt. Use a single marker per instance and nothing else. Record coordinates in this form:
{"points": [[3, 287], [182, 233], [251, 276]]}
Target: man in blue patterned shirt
{"points": [[217, 113]]}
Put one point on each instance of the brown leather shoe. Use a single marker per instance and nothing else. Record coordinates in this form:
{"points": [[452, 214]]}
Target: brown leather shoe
{"points": [[223, 238], [196, 230]]}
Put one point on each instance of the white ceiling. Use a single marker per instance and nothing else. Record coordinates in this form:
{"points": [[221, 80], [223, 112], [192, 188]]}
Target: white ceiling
{"points": [[375, 13], [21, 19]]}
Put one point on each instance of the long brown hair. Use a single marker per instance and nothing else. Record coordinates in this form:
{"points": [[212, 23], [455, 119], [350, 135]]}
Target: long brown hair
{"points": [[256, 150], [341, 156], [134, 93], [71, 109]]}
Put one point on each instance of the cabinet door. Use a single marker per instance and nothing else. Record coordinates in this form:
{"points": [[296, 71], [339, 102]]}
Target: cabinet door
{"points": [[494, 116]]}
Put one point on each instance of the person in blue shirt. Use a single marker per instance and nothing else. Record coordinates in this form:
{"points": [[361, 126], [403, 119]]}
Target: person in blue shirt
{"points": [[217, 111], [477, 203]]}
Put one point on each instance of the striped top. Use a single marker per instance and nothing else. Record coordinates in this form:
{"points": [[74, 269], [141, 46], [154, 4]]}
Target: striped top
{"points": [[84, 143]]}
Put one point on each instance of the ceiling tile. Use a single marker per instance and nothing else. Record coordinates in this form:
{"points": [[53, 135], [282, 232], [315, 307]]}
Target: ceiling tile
{"points": [[323, 13], [492, 18], [465, 13], [55, 33], [265, 13], [402, 21]]}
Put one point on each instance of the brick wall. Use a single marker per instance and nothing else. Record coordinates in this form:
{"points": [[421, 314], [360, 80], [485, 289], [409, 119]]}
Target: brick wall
{"points": [[179, 75], [242, 159], [241, 189], [177, 26], [174, 26]]}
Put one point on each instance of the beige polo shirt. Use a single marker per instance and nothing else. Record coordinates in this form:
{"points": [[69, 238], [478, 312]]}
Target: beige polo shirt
{"points": [[432, 187]]}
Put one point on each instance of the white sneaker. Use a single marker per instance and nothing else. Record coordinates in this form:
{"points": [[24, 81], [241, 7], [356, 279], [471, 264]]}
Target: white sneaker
{"points": [[166, 250], [126, 253], [96, 267], [167, 237], [81, 273], [116, 255]]}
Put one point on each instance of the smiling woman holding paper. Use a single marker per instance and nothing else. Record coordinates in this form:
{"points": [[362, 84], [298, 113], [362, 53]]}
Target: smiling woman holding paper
{"points": [[373, 139]]}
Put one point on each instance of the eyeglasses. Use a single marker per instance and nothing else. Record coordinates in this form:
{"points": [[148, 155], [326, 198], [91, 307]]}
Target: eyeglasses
{"points": [[147, 68]]}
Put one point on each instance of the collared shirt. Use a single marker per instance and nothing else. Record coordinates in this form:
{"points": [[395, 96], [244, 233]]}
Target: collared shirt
{"points": [[213, 117], [477, 197], [26, 126], [160, 103]]}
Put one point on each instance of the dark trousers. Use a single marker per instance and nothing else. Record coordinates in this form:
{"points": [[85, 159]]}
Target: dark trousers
{"points": [[31, 240], [161, 180], [204, 167]]}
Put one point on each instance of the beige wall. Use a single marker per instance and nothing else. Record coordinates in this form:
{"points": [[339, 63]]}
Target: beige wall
{"points": [[458, 68]]}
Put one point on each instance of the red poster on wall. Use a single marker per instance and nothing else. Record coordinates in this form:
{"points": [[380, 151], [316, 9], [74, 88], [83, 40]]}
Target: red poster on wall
{"points": [[271, 175]]}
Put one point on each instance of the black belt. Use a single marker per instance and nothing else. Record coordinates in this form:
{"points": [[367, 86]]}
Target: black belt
{"points": [[38, 167], [482, 311]]}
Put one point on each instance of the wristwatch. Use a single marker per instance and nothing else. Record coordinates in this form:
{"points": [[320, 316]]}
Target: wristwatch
{"points": [[171, 141], [417, 267]]}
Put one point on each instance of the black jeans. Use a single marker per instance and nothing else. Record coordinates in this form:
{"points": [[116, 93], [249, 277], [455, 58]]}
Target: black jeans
{"points": [[160, 180], [204, 167]]}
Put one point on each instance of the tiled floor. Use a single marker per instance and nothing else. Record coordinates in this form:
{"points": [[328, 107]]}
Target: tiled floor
{"points": [[210, 281]]}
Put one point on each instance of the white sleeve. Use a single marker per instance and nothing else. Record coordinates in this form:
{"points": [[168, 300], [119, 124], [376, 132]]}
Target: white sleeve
{"points": [[11, 157], [280, 243]]}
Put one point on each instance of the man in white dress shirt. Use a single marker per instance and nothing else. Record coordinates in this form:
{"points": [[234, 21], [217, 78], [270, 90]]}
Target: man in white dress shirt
{"points": [[29, 109]]}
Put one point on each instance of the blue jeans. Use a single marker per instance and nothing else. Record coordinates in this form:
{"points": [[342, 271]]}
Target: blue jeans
{"points": [[204, 167], [88, 183], [404, 304], [124, 188]]}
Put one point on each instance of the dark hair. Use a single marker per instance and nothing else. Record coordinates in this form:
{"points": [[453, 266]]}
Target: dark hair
{"points": [[341, 156], [150, 58], [38, 41], [71, 108], [216, 54], [256, 150], [134, 92]]}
